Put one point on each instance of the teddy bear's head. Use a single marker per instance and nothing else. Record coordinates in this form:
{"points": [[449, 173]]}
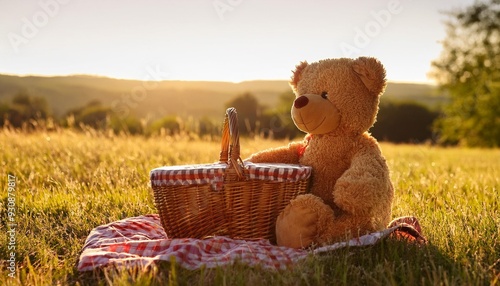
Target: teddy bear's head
{"points": [[338, 96]]}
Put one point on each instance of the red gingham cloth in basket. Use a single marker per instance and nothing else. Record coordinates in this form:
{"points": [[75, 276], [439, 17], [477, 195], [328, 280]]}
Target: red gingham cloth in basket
{"points": [[214, 174], [278, 172], [188, 175], [141, 241]]}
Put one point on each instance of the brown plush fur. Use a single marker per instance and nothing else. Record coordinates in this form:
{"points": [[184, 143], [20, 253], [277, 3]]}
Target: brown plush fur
{"points": [[351, 192]]}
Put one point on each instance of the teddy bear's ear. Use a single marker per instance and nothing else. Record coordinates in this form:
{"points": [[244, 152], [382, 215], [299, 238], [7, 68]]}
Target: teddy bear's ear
{"points": [[297, 74], [372, 74]]}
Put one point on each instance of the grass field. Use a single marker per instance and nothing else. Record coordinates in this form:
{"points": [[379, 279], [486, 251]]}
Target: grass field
{"points": [[68, 183]]}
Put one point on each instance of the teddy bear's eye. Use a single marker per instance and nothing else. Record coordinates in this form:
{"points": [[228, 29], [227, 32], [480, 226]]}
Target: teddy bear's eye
{"points": [[324, 94]]}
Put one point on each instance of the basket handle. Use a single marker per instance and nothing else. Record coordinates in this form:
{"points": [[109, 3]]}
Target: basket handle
{"points": [[230, 142]]}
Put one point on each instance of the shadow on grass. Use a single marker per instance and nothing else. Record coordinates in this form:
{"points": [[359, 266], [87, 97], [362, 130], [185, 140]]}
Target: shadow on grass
{"points": [[390, 262]]}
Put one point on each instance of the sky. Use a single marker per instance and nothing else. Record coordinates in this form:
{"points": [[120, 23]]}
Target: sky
{"points": [[217, 40]]}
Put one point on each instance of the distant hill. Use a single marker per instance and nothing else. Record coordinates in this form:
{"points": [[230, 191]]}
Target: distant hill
{"points": [[427, 94], [183, 98]]}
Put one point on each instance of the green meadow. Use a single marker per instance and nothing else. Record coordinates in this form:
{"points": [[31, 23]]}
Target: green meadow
{"points": [[68, 182]]}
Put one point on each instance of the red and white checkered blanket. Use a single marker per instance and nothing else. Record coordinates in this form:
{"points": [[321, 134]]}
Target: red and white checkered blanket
{"points": [[141, 241]]}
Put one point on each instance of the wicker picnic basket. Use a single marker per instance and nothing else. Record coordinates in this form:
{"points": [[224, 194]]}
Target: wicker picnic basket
{"points": [[231, 198]]}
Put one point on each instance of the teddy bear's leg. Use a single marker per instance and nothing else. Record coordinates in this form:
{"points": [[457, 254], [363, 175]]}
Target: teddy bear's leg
{"points": [[303, 222]]}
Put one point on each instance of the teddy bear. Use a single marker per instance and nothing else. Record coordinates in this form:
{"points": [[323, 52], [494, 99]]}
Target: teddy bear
{"points": [[350, 193]]}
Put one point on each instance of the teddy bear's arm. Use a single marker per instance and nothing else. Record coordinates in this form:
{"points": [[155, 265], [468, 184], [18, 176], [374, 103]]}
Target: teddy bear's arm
{"points": [[285, 154], [364, 188]]}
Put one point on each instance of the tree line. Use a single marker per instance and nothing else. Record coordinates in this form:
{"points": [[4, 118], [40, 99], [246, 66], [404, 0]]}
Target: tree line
{"points": [[29, 113], [397, 122]]}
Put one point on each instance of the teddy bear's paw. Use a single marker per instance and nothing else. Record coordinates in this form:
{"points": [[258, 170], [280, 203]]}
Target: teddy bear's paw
{"points": [[296, 227]]}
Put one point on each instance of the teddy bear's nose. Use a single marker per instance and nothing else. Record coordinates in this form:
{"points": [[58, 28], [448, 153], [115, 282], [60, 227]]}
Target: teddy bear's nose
{"points": [[301, 102]]}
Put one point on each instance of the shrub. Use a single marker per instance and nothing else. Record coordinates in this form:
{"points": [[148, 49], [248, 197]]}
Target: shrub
{"points": [[170, 124], [404, 122]]}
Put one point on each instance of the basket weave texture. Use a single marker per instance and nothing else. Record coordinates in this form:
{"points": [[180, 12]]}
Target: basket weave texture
{"points": [[231, 198]]}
